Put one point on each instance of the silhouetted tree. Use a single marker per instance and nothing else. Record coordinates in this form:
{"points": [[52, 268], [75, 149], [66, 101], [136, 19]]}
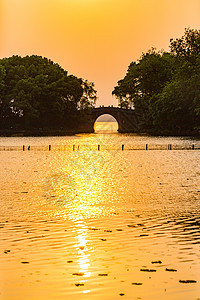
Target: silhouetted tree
{"points": [[37, 93], [164, 88]]}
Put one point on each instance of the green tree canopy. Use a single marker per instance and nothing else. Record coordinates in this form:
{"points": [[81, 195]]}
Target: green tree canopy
{"points": [[163, 87], [38, 93]]}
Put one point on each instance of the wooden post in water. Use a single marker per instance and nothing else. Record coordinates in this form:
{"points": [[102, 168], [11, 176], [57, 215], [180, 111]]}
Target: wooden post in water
{"points": [[49, 147], [122, 147], [73, 147], [29, 147], [193, 147], [98, 147], [146, 146], [23, 148], [169, 147]]}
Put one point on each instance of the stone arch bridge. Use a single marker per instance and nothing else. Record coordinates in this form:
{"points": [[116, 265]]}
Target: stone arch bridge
{"points": [[126, 118]]}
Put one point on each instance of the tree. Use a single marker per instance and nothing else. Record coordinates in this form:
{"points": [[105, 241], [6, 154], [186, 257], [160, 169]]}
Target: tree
{"points": [[144, 79], [188, 46], [89, 96], [164, 88], [37, 93]]}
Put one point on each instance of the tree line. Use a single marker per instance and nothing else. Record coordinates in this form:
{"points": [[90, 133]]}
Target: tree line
{"points": [[164, 87], [36, 93]]}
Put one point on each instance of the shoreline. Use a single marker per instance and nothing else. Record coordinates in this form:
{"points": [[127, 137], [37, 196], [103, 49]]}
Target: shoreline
{"points": [[35, 133], [62, 132]]}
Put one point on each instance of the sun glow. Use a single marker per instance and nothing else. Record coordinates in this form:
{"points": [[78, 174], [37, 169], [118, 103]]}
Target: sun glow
{"points": [[83, 251], [81, 34]]}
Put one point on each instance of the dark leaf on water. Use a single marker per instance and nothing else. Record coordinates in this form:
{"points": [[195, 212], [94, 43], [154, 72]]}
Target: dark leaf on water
{"points": [[157, 262], [6, 251], [187, 281], [147, 270]]}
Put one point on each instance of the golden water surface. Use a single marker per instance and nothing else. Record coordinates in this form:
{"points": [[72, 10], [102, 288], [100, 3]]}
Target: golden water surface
{"points": [[108, 224]]}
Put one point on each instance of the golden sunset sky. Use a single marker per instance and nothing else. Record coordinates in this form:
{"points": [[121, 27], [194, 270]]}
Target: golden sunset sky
{"points": [[93, 39]]}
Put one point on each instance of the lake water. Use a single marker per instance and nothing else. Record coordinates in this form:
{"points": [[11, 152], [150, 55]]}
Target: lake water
{"points": [[108, 224]]}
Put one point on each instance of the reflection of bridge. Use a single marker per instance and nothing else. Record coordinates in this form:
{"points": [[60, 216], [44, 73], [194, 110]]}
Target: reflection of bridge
{"points": [[126, 118]]}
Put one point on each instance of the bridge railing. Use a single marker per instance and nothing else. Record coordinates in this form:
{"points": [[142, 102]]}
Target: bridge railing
{"points": [[112, 106]]}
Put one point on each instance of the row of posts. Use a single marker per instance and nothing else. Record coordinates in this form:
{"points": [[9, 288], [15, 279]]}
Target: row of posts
{"points": [[169, 147], [29, 148]]}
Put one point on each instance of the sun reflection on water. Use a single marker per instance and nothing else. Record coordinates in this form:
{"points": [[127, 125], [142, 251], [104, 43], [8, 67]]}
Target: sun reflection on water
{"points": [[76, 188], [83, 251]]}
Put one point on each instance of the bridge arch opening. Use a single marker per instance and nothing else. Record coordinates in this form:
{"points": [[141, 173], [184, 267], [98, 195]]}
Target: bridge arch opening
{"points": [[106, 124]]}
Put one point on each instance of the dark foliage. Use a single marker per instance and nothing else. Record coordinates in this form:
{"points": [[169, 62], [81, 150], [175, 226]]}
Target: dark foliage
{"points": [[164, 87], [37, 93]]}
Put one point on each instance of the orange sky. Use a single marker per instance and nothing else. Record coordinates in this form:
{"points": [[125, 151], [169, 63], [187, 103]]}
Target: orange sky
{"points": [[93, 39]]}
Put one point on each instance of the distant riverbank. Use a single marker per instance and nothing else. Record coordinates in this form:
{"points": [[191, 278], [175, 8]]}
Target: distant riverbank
{"points": [[71, 132], [37, 132], [189, 133]]}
